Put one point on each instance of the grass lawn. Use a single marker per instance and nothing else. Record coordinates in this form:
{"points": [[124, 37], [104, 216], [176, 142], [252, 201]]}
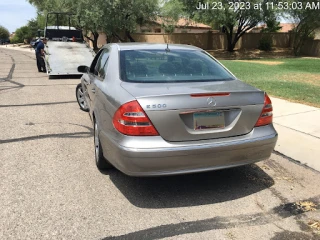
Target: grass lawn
{"points": [[296, 79]]}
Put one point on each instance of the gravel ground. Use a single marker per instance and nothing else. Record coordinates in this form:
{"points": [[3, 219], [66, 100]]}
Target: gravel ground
{"points": [[51, 189]]}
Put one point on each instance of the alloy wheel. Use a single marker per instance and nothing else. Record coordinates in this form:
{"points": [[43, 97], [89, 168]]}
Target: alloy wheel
{"points": [[81, 99]]}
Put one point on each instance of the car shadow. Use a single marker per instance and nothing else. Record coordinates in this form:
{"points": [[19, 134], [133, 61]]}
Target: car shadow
{"points": [[192, 189]]}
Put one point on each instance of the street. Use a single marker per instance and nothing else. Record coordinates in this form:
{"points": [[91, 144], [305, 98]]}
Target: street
{"points": [[50, 187]]}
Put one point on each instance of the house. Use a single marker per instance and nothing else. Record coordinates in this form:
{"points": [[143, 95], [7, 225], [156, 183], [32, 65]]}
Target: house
{"points": [[285, 27], [157, 28], [183, 25]]}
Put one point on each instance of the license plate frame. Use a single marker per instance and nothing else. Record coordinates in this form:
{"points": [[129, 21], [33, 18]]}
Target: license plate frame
{"points": [[208, 120]]}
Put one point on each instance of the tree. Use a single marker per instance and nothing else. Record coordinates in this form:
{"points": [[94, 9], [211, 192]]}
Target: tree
{"points": [[272, 26], [33, 27], [4, 33], [234, 17], [92, 17], [307, 19], [46, 6], [271, 21], [23, 33], [53, 5], [170, 13], [128, 13], [111, 17]]}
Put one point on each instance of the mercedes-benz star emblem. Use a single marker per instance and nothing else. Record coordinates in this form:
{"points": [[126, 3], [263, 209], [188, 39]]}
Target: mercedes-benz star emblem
{"points": [[211, 101]]}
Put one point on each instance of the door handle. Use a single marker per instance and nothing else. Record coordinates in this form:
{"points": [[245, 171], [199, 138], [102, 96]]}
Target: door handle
{"points": [[93, 90]]}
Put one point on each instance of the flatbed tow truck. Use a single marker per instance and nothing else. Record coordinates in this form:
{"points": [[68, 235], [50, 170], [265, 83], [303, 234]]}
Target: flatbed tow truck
{"points": [[65, 49]]}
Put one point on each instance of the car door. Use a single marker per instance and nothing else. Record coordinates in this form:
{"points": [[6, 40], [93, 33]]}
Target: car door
{"points": [[88, 78], [97, 78]]}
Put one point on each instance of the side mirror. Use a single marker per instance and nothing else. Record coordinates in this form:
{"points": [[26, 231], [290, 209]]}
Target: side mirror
{"points": [[83, 69]]}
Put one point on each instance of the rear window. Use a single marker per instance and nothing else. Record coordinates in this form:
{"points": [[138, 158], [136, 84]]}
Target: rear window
{"points": [[158, 66]]}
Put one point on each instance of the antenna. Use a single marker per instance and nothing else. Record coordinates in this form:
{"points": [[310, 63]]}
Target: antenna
{"points": [[167, 49]]}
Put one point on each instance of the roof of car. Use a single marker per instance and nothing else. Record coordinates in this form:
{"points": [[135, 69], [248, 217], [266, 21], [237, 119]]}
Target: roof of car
{"points": [[140, 46]]}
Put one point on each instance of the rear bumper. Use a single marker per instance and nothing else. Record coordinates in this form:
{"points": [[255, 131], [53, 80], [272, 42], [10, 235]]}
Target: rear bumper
{"points": [[153, 156]]}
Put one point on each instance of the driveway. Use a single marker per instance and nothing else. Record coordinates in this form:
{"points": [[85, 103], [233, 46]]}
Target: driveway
{"points": [[51, 189]]}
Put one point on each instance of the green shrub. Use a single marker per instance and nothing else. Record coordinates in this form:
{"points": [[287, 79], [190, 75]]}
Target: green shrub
{"points": [[14, 40], [23, 33], [265, 43]]}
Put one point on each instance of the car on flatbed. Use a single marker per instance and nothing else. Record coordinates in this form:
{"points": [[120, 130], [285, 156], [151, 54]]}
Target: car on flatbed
{"points": [[165, 109]]}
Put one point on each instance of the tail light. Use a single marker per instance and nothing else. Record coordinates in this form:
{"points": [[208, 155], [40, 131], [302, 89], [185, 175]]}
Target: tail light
{"points": [[130, 119], [266, 114]]}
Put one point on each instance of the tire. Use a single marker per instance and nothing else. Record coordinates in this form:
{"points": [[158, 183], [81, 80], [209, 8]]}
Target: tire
{"points": [[101, 162], [81, 99]]}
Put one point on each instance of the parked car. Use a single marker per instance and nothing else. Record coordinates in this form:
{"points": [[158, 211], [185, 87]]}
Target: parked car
{"points": [[4, 41], [161, 109]]}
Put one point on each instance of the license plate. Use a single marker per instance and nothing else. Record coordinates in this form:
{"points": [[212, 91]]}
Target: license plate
{"points": [[208, 120]]}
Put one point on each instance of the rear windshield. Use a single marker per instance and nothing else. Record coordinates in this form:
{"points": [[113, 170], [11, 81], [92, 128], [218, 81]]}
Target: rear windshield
{"points": [[157, 66]]}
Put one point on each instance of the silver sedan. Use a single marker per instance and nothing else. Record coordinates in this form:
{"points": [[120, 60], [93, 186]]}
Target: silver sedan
{"points": [[161, 109]]}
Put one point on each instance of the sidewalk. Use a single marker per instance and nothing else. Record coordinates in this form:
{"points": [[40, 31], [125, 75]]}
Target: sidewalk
{"points": [[24, 48], [298, 127]]}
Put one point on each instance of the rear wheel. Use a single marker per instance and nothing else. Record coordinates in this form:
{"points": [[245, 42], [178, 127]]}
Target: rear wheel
{"points": [[101, 162], [80, 98]]}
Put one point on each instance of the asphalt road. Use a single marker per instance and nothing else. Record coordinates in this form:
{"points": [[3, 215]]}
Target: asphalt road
{"points": [[51, 189]]}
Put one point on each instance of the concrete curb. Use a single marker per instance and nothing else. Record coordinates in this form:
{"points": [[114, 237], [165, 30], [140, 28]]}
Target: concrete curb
{"points": [[298, 127]]}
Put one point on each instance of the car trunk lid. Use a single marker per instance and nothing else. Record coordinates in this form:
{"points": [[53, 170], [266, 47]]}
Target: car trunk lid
{"points": [[199, 110]]}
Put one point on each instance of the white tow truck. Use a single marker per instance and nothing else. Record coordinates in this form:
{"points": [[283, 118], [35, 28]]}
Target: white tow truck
{"points": [[65, 49]]}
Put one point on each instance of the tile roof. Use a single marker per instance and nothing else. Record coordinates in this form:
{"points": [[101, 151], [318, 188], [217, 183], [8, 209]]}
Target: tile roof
{"points": [[183, 22]]}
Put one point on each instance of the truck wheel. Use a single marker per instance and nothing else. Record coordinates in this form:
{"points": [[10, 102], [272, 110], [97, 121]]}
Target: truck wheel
{"points": [[80, 98], [101, 162]]}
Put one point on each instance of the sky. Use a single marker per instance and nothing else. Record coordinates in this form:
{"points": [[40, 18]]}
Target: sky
{"points": [[15, 13]]}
